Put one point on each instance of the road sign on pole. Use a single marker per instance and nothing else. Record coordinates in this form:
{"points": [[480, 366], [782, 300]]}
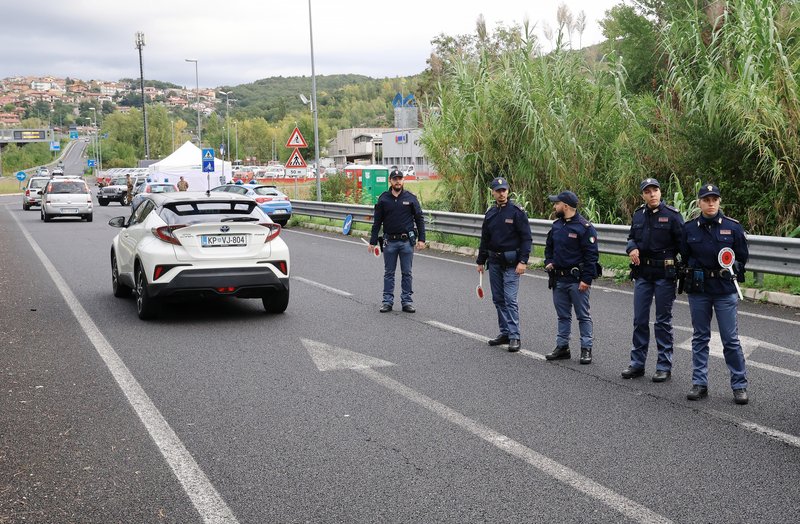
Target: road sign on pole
{"points": [[296, 139], [55, 146], [208, 160], [21, 175], [73, 135], [296, 160], [90, 162]]}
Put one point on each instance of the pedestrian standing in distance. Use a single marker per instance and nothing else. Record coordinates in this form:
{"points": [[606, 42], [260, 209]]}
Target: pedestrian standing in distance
{"points": [[506, 246], [129, 194], [183, 185], [570, 257], [399, 213], [712, 290], [653, 243]]}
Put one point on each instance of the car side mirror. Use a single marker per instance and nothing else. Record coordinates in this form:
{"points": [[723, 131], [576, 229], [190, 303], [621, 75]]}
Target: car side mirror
{"points": [[117, 222]]}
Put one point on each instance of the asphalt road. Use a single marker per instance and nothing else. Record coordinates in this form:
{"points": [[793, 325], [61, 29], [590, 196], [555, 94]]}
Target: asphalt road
{"points": [[333, 412]]}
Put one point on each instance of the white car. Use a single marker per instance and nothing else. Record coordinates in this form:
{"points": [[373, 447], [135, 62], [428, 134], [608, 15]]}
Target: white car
{"points": [[193, 244], [66, 197]]}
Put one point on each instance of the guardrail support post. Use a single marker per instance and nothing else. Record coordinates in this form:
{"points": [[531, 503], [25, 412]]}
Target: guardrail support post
{"points": [[758, 278]]}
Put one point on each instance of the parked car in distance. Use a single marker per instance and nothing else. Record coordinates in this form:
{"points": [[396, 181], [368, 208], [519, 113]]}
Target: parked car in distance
{"points": [[273, 202], [33, 192], [151, 187], [66, 197], [194, 244], [42, 171], [58, 171], [117, 190]]}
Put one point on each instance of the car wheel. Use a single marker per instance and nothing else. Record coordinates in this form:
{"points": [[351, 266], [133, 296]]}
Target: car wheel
{"points": [[88, 217], [45, 216], [146, 306], [120, 289], [25, 207], [102, 202], [276, 302]]}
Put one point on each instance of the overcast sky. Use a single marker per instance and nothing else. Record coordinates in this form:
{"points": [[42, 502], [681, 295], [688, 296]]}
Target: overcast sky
{"points": [[240, 41]]}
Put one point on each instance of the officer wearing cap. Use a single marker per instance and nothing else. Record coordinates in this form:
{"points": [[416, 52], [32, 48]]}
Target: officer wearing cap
{"points": [[505, 246], [653, 243], [399, 213], [712, 290], [570, 257]]}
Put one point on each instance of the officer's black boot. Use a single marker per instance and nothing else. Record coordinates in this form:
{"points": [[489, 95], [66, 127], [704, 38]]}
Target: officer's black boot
{"points": [[559, 353], [586, 355], [500, 340], [513, 345]]}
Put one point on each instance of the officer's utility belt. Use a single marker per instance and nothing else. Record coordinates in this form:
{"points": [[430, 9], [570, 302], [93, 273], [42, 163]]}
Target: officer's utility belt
{"points": [[402, 236], [505, 258], [652, 262], [570, 272], [692, 280]]}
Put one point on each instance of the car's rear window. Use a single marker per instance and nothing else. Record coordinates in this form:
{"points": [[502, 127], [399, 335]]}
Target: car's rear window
{"points": [[37, 183], [67, 188], [209, 211], [266, 191], [162, 189]]}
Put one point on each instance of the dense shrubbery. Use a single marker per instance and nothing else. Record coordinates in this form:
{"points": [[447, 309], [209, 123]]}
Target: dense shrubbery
{"points": [[724, 107]]}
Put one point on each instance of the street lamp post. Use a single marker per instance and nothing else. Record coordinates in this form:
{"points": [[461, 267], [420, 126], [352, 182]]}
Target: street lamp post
{"points": [[314, 103], [94, 138], [139, 46], [227, 123], [197, 101], [236, 129], [172, 133]]}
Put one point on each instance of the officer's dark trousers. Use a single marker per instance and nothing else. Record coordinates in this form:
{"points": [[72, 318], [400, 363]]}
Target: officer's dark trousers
{"points": [[393, 250], [643, 292], [505, 286], [702, 308], [565, 297]]}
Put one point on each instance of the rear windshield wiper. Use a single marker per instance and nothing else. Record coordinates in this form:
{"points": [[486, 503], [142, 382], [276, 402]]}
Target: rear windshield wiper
{"points": [[239, 219]]}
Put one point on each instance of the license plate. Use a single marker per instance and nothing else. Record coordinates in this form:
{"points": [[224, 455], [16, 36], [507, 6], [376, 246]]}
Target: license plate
{"points": [[223, 240], [279, 212], [66, 210]]}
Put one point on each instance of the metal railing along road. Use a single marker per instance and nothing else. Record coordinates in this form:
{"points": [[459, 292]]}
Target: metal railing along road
{"points": [[772, 255]]}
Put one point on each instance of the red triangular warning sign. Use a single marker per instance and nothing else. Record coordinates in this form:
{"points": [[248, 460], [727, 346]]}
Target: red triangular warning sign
{"points": [[296, 160], [296, 140]]}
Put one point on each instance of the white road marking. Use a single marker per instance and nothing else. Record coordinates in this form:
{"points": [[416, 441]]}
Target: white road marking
{"points": [[323, 286], [760, 344], [208, 502], [481, 338], [339, 358], [758, 428]]}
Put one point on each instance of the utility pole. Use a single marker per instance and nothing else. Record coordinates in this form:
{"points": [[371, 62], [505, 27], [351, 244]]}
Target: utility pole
{"points": [[139, 46], [314, 104]]}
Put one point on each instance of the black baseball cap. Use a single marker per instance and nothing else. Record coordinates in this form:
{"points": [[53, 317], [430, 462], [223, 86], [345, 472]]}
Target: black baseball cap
{"points": [[499, 183], [708, 190], [649, 182], [396, 173], [567, 197]]}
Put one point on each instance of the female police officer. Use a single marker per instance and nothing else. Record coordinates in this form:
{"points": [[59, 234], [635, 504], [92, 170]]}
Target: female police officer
{"points": [[711, 287]]}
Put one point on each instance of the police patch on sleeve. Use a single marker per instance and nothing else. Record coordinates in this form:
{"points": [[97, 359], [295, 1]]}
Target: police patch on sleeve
{"points": [[591, 239]]}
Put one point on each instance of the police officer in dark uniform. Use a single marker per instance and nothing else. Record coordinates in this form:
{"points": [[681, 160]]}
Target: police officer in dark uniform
{"points": [[570, 257], [653, 243], [400, 214], [712, 290], [505, 245]]}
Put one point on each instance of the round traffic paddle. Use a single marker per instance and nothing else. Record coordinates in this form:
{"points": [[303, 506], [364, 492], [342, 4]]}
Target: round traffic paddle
{"points": [[375, 250], [479, 288]]}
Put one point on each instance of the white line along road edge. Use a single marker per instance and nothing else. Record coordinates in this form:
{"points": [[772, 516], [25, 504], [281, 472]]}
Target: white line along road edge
{"points": [[208, 502], [328, 358]]}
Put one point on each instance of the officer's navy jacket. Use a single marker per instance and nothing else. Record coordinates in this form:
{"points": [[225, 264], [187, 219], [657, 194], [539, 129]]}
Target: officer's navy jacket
{"points": [[398, 215], [505, 228], [656, 233], [572, 242], [703, 238]]}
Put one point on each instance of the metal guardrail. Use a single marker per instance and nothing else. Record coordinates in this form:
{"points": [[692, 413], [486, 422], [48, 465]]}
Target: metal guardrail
{"points": [[772, 255]]}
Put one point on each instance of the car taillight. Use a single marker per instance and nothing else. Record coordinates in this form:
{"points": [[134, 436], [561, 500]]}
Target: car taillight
{"points": [[274, 231], [167, 234], [261, 200], [27, 192]]}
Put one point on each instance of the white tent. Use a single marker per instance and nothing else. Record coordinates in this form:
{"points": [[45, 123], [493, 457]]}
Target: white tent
{"points": [[187, 162]]}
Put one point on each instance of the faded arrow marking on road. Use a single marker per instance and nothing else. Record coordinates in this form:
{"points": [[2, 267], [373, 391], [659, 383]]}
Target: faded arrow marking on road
{"points": [[328, 358]]}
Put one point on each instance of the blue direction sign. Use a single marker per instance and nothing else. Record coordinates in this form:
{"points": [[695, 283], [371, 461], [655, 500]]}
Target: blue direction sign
{"points": [[208, 160], [348, 223], [73, 135], [21, 175], [55, 146], [90, 162]]}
